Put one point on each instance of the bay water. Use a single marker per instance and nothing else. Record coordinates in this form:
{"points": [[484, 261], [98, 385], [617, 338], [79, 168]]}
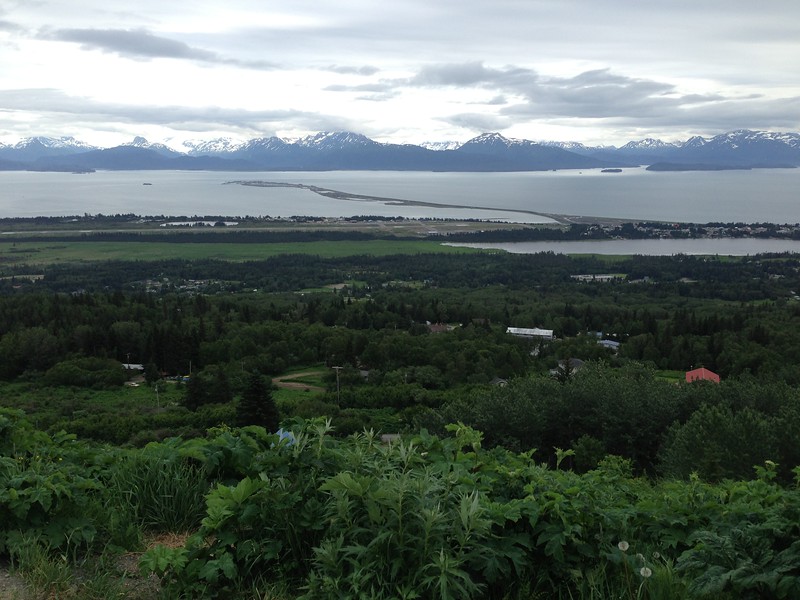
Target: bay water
{"points": [[753, 196], [759, 195]]}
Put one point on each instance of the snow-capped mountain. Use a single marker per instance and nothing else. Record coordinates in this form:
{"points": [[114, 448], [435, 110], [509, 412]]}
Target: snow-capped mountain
{"points": [[693, 142], [790, 139], [210, 147], [647, 145], [517, 154], [140, 142], [60, 143], [742, 148], [344, 150], [33, 148], [265, 143], [495, 140], [335, 140], [571, 146], [440, 146]]}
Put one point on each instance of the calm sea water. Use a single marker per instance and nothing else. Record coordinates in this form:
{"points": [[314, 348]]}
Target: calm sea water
{"points": [[740, 196]]}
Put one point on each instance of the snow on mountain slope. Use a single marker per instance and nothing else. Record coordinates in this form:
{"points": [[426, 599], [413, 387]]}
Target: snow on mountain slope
{"points": [[440, 146]]}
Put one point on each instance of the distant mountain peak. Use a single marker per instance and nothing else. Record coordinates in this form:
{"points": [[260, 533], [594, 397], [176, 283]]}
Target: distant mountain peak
{"points": [[647, 144], [141, 142], [214, 146], [63, 142], [335, 139], [344, 150], [489, 138], [573, 146], [439, 146]]}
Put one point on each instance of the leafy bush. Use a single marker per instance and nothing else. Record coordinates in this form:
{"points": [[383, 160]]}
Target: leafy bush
{"points": [[425, 517], [48, 487], [87, 372]]}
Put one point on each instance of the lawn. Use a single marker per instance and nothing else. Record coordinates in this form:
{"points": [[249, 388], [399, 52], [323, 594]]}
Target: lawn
{"points": [[671, 376], [47, 253]]}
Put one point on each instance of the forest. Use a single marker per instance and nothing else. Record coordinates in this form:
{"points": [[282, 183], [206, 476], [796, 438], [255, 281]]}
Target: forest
{"points": [[426, 451]]}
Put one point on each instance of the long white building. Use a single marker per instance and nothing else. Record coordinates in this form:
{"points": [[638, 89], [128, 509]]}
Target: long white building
{"points": [[533, 333]]}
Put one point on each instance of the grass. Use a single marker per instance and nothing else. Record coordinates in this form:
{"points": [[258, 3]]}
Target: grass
{"points": [[287, 397], [671, 376], [48, 253], [73, 401]]}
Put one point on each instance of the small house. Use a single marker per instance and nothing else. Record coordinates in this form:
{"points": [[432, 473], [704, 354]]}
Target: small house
{"points": [[701, 374]]}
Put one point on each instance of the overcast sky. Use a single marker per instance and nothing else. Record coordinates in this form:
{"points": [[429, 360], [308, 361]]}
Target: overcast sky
{"points": [[594, 71]]}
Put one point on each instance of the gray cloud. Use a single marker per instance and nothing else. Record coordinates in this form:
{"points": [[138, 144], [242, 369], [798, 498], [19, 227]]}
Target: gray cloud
{"points": [[378, 97], [465, 74], [57, 105], [500, 64], [10, 27], [602, 97], [479, 122], [346, 70], [137, 43], [599, 96], [499, 100], [598, 93], [728, 114], [473, 74], [141, 44], [364, 87]]}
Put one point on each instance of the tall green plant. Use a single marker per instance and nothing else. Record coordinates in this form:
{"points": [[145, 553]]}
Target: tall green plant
{"points": [[159, 490]]}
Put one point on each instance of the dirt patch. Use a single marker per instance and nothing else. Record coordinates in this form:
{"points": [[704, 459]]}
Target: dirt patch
{"points": [[287, 381], [12, 586], [136, 585]]}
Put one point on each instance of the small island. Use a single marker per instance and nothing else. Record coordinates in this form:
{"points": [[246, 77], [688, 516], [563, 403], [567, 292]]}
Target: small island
{"points": [[611, 171], [666, 166]]}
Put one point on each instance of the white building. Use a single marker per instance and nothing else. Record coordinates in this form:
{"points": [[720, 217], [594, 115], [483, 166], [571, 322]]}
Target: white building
{"points": [[610, 344], [533, 333]]}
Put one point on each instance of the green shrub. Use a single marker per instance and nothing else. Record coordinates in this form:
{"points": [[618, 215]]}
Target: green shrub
{"points": [[90, 372]]}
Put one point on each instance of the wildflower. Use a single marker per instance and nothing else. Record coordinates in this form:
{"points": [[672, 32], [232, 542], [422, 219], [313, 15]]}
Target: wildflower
{"points": [[656, 555], [640, 557], [623, 545], [645, 572]]}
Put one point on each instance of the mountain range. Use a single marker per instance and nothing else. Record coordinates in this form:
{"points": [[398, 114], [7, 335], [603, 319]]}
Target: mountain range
{"points": [[345, 150]]}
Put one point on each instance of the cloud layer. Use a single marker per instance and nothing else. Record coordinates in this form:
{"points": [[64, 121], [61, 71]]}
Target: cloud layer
{"points": [[400, 70]]}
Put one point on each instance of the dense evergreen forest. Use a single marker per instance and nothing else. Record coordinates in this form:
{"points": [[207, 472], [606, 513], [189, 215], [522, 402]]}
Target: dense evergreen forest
{"points": [[419, 343], [416, 338]]}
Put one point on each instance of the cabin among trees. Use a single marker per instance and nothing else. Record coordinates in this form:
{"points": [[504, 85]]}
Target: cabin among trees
{"points": [[701, 374]]}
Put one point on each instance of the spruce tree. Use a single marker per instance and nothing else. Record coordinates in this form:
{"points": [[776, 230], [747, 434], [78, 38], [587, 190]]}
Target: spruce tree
{"points": [[256, 406]]}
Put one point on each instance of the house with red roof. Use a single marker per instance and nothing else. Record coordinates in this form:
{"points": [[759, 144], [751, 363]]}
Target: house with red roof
{"points": [[701, 374]]}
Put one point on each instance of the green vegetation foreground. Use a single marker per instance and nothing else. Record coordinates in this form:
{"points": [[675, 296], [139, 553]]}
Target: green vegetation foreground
{"points": [[422, 344], [306, 515]]}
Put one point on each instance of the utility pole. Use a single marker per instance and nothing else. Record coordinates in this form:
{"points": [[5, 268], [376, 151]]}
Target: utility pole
{"points": [[338, 396]]}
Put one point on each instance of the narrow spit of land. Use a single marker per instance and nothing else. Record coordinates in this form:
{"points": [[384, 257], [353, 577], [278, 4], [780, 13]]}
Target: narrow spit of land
{"points": [[339, 195]]}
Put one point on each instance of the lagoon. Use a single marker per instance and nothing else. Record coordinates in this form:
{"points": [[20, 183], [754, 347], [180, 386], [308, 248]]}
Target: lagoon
{"points": [[650, 247]]}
